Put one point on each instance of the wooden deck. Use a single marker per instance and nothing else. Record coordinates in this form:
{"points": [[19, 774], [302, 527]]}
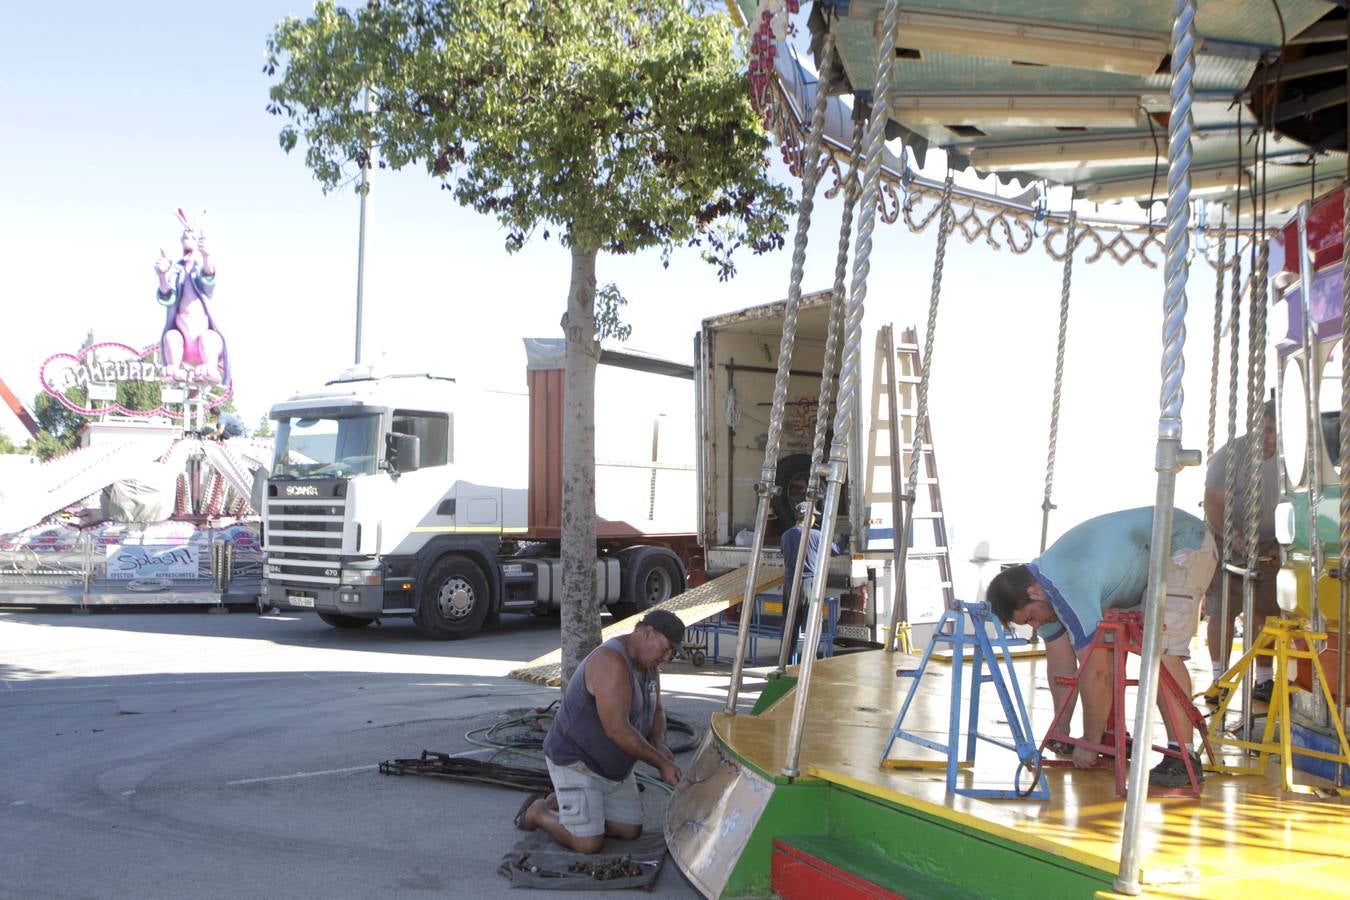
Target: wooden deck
{"points": [[1244, 837]]}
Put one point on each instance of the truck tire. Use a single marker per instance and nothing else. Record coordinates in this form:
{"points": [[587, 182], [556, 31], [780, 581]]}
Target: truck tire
{"points": [[652, 575], [337, 620], [454, 600], [793, 478]]}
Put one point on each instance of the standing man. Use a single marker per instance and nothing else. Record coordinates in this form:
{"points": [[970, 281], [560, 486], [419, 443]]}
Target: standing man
{"points": [[1098, 565], [790, 543], [609, 719], [1219, 629]]}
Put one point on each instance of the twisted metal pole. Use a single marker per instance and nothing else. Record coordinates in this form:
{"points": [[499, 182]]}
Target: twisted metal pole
{"points": [[1170, 457], [846, 403], [1230, 524], [1312, 378], [766, 486], [1344, 459], [946, 222], [828, 368], [1218, 340], [1256, 389], [1046, 503]]}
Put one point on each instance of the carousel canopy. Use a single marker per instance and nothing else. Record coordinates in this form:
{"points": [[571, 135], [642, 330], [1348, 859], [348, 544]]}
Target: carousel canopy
{"points": [[1076, 92]]}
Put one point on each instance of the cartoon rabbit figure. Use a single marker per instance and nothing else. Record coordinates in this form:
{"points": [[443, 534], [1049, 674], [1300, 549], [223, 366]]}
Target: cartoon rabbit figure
{"points": [[190, 343]]}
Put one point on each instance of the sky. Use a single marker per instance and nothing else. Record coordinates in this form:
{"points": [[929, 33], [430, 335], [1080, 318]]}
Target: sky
{"points": [[119, 114]]}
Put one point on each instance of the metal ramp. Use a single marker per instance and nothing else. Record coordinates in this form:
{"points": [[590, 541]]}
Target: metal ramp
{"points": [[694, 605], [890, 452]]}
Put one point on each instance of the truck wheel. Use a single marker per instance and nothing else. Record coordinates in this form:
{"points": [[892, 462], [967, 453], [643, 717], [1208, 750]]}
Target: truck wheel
{"points": [[340, 621], [794, 476], [653, 577], [454, 602]]}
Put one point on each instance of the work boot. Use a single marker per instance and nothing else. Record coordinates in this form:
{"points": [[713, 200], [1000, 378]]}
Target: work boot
{"points": [[1263, 689], [1171, 772], [1215, 695]]}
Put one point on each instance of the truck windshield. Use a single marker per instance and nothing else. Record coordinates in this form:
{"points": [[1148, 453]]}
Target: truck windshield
{"points": [[332, 447]]}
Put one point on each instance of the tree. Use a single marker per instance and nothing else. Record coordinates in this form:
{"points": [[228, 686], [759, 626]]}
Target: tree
{"points": [[7, 444], [58, 428], [622, 124], [264, 429]]}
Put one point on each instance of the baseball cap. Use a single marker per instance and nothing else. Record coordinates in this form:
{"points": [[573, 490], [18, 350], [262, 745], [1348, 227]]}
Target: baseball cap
{"points": [[667, 623]]}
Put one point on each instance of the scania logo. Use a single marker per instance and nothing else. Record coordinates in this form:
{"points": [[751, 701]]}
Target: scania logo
{"points": [[301, 490]]}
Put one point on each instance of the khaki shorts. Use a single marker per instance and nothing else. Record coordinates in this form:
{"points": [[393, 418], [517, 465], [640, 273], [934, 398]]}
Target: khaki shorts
{"points": [[1188, 577], [586, 801], [1263, 595]]}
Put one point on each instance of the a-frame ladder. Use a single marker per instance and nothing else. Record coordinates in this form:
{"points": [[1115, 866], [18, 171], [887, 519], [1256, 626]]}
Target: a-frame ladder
{"points": [[889, 451]]}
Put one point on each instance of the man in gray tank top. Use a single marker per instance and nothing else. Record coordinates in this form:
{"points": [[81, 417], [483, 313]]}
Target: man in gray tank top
{"points": [[610, 718]]}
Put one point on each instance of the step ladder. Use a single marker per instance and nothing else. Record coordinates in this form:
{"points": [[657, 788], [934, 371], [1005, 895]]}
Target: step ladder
{"points": [[973, 625], [928, 566]]}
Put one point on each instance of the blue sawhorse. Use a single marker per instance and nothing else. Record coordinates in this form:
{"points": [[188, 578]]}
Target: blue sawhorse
{"points": [[951, 629]]}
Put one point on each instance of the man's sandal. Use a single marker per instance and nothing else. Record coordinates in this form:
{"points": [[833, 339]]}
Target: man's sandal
{"points": [[519, 820]]}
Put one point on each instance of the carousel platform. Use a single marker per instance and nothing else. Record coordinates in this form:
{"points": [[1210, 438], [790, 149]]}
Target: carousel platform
{"points": [[847, 827]]}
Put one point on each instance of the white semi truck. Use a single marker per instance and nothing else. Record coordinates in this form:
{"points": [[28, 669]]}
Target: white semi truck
{"points": [[414, 495]]}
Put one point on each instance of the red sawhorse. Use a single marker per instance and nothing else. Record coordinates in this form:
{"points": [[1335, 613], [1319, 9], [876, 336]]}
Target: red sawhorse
{"points": [[1121, 633]]}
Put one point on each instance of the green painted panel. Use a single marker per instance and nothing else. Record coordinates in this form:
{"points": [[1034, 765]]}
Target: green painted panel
{"points": [[920, 855], [776, 687]]}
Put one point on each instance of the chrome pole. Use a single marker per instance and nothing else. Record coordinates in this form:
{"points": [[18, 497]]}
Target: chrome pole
{"points": [[837, 467], [1312, 369], [766, 487], [1170, 457]]}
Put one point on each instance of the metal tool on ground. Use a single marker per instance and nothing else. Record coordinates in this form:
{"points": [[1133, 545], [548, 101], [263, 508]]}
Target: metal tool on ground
{"points": [[952, 630]]}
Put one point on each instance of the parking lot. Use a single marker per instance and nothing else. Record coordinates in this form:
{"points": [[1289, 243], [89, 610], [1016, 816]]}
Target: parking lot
{"points": [[179, 754]]}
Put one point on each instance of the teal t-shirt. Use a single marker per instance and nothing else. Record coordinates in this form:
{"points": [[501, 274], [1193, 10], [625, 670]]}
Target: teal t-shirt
{"points": [[1102, 564]]}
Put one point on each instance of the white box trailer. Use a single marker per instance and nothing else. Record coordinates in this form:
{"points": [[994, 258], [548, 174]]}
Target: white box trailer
{"points": [[736, 361]]}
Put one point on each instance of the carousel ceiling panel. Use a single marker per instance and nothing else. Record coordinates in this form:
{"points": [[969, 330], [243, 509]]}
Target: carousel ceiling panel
{"points": [[1076, 92]]}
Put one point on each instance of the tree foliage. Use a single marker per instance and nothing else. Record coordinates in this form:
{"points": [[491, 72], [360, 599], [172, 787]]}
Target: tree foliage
{"points": [[624, 123], [614, 125]]}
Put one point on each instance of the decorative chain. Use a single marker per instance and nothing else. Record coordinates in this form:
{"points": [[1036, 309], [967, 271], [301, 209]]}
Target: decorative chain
{"points": [[1065, 284]]}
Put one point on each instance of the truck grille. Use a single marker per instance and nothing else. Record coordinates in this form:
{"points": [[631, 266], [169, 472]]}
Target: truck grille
{"points": [[304, 538]]}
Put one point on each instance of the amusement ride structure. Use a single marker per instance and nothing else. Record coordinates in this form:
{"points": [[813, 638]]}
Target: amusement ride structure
{"points": [[1233, 114]]}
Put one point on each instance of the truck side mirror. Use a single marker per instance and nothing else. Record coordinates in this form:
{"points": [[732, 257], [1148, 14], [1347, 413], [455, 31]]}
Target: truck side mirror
{"points": [[402, 452]]}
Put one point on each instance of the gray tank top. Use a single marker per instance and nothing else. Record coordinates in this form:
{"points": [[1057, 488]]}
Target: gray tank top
{"points": [[577, 734]]}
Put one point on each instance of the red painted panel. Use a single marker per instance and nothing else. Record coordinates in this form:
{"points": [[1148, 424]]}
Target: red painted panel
{"points": [[545, 487], [1326, 224], [797, 875]]}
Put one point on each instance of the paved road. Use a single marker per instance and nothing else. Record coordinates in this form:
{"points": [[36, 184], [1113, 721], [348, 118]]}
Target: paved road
{"points": [[185, 755]]}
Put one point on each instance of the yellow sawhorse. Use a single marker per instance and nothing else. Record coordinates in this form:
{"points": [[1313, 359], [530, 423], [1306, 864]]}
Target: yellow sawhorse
{"points": [[1276, 641]]}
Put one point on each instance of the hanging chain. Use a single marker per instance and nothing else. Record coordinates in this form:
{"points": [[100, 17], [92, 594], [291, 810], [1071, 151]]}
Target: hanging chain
{"points": [[1256, 380], [1046, 502]]}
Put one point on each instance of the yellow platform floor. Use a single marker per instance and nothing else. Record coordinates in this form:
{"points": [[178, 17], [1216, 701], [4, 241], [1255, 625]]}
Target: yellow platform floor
{"points": [[1243, 837]]}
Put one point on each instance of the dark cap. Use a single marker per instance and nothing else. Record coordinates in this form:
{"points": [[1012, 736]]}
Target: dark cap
{"points": [[667, 623]]}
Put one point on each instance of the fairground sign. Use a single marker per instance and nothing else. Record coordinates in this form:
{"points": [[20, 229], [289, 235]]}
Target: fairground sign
{"points": [[112, 364]]}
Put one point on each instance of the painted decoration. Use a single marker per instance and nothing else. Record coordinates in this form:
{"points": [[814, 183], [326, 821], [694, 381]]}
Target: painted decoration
{"points": [[151, 561], [109, 363]]}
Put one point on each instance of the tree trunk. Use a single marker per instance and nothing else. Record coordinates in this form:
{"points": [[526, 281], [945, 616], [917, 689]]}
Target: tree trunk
{"points": [[580, 605]]}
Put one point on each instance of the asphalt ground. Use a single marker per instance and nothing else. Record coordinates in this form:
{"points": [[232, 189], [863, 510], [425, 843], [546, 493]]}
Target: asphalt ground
{"points": [[177, 754]]}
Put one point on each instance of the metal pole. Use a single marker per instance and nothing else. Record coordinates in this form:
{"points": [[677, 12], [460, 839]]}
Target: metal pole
{"points": [[1170, 457], [900, 601], [810, 166], [1256, 386], [364, 191], [1344, 572], [837, 467], [829, 367], [1312, 368]]}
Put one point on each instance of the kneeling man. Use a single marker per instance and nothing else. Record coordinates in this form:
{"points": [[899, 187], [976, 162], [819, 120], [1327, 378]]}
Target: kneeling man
{"points": [[1098, 565], [609, 719]]}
